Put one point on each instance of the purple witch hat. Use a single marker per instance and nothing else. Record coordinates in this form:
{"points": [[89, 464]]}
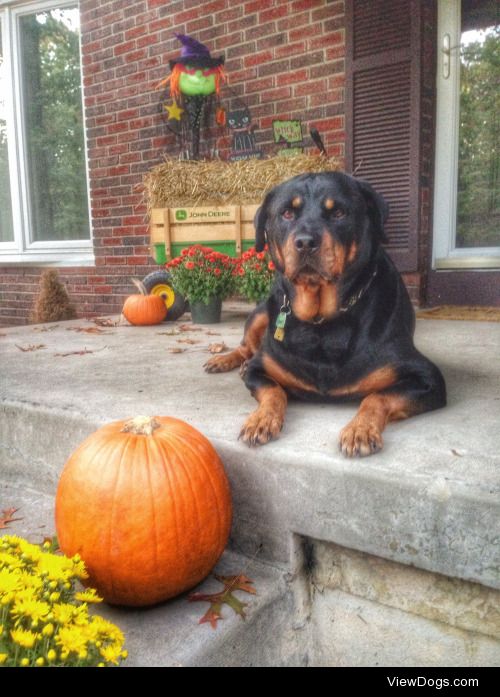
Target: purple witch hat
{"points": [[195, 53]]}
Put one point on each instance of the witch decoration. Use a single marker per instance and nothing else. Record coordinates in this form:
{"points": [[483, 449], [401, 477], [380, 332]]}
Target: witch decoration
{"points": [[190, 102]]}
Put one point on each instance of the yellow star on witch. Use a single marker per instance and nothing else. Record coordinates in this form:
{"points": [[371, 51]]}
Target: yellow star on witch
{"points": [[174, 111]]}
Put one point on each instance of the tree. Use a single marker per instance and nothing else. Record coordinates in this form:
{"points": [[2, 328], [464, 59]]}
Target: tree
{"points": [[54, 126], [478, 218]]}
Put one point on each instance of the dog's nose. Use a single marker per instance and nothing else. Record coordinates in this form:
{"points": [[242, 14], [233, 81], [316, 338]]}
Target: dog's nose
{"points": [[306, 243]]}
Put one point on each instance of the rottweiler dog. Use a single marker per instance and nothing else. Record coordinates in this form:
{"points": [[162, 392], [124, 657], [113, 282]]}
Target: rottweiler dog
{"points": [[339, 322]]}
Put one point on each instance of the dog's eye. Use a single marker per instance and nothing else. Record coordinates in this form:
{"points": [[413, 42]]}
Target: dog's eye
{"points": [[288, 214]]}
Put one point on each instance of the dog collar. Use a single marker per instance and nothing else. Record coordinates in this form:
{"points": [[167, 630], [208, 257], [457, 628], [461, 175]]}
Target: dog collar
{"points": [[285, 309], [357, 296]]}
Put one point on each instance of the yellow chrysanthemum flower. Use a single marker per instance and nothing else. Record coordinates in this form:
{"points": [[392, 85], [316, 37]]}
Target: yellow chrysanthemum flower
{"points": [[53, 567], [81, 616], [71, 639], [78, 568], [108, 630], [12, 541], [10, 560], [40, 661], [90, 631], [8, 581], [25, 662], [51, 655], [48, 630], [35, 609], [24, 637], [63, 612], [28, 549], [88, 596], [3, 658], [29, 580], [111, 653], [25, 594]]}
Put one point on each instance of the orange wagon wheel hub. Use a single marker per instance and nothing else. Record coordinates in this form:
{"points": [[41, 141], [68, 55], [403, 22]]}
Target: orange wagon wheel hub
{"points": [[165, 292]]}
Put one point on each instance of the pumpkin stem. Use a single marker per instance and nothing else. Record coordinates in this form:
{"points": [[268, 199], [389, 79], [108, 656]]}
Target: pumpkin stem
{"points": [[141, 425], [140, 286]]}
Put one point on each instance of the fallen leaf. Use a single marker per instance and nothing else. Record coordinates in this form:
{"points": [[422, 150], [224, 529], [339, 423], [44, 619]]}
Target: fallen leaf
{"points": [[239, 583], [82, 352], [176, 350], [188, 341], [87, 330], [172, 332], [49, 328], [225, 597], [106, 321], [31, 347], [211, 333], [6, 517], [455, 452], [189, 328], [218, 348]]}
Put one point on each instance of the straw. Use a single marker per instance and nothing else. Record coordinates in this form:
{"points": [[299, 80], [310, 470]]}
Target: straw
{"points": [[176, 183]]}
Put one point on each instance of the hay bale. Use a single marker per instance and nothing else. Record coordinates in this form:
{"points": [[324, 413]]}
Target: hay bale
{"points": [[175, 183], [52, 304]]}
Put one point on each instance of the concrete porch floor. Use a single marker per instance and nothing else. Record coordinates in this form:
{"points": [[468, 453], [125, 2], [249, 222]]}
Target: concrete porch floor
{"points": [[428, 504]]}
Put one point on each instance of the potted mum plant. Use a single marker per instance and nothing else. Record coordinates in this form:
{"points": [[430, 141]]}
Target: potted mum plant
{"points": [[255, 275], [44, 616], [205, 277]]}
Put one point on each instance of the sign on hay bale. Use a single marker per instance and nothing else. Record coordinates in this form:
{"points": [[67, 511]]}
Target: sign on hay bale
{"points": [[214, 201]]}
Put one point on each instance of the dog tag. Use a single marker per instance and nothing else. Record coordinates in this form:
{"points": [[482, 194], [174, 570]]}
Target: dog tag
{"points": [[279, 333], [280, 320]]}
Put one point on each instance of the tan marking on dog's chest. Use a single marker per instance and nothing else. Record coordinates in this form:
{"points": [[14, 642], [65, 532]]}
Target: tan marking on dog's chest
{"points": [[255, 332], [379, 379], [283, 377]]}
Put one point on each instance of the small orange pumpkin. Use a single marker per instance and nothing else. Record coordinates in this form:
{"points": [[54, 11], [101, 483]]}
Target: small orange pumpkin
{"points": [[146, 503], [143, 308]]}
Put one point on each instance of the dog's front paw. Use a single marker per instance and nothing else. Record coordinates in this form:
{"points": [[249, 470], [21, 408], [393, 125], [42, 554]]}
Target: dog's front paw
{"points": [[223, 363], [360, 438], [261, 427]]}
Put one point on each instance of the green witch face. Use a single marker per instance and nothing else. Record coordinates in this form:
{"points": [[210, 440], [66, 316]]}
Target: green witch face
{"points": [[197, 81]]}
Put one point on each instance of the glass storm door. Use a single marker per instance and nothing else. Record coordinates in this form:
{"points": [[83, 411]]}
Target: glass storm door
{"points": [[467, 177]]}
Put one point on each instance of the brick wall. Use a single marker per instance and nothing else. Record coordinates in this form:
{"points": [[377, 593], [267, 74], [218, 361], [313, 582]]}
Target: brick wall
{"points": [[284, 58]]}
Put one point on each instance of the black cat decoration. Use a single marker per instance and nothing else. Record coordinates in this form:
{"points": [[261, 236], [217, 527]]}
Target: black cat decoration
{"points": [[243, 145]]}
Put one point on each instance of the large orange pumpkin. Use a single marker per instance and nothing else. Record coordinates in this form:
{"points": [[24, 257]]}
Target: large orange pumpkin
{"points": [[142, 308], [146, 504]]}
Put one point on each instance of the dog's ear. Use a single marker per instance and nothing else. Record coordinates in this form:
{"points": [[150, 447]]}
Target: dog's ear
{"points": [[378, 208], [260, 223]]}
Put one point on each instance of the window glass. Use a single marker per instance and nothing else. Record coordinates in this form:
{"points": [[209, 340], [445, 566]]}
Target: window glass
{"points": [[6, 228], [55, 151], [478, 214]]}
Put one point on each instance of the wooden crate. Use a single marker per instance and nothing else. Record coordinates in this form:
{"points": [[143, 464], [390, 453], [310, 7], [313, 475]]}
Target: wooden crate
{"points": [[225, 228]]}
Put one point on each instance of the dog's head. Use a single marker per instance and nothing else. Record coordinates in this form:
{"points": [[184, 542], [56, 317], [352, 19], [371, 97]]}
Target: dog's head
{"points": [[320, 227]]}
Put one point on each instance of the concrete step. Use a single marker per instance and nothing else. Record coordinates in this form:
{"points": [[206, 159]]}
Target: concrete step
{"points": [[170, 634], [429, 503]]}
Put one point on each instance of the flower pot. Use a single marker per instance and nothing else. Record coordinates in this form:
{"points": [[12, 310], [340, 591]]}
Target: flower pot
{"points": [[202, 313]]}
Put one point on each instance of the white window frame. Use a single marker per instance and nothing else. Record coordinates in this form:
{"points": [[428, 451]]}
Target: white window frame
{"points": [[446, 255], [23, 250]]}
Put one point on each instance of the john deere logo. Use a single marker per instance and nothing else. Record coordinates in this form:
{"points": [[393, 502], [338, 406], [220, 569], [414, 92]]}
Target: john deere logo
{"points": [[181, 214]]}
